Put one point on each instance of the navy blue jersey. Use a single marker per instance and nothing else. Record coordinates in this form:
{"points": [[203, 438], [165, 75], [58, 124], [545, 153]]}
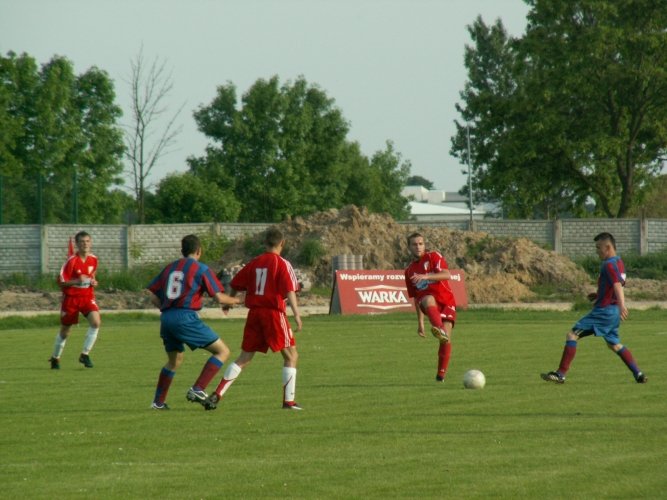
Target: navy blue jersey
{"points": [[182, 283]]}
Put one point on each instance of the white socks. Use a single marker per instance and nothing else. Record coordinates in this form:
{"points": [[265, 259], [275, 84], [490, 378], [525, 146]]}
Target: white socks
{"points": [[289, 381], [232, 372], [289, 384], [58, 346], [89, 342]]}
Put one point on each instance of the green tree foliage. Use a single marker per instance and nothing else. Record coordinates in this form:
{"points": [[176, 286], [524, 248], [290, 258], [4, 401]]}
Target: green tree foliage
{"points": [[571, 112], [374, 184], [418, 180], [188, 198], [284, 152], [60, 146], [655, 202]]}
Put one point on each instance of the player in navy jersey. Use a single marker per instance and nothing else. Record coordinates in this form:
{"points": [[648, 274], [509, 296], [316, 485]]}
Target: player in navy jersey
{"points": [[77, 282], [609, 310], [177, 291], [267, 280], [426, 281]]}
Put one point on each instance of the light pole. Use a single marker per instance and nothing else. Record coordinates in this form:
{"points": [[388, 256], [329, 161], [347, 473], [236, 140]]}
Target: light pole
{"points": [[469, 175]]}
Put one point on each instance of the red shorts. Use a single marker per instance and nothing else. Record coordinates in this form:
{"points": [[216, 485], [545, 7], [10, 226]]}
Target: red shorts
{"points": [[72, 306], [266, 328], [447, 312]]}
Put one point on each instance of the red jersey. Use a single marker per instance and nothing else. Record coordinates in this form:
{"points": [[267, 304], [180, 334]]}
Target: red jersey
{"points": [[74, 267], [430, 262], [267, 279]]}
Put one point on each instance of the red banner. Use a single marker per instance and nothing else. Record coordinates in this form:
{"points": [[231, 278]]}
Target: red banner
{"points": [[369, 292]]}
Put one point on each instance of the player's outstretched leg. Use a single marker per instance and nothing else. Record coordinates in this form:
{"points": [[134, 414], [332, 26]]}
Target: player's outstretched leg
{"points": [[627, 358]]}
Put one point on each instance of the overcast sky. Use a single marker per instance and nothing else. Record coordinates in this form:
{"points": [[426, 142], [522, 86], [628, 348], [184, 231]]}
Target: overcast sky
{"points": [[394, 67]]}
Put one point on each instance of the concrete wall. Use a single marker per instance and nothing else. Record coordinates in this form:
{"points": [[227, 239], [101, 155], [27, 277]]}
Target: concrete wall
{"points": [[34, 249]]}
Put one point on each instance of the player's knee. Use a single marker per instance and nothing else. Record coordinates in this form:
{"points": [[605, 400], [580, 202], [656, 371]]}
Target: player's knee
{"points": [[174, 360], [220, 350], [427, 301], [224, 352], [291, 355], [615, 347], [94, 319]]}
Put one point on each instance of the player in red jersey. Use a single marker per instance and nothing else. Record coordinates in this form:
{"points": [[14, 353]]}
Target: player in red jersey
{"points": [[604, 320], [267, 280], [426, 280], [77, 282]]}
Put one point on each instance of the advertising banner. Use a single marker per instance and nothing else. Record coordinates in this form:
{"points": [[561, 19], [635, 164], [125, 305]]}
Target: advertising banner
{"points": [[378, 291]]}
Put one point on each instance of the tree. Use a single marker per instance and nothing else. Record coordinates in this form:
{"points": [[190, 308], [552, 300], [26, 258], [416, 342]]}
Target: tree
{"points": [[655, 203], [61, 147], [417, 180], [150, 86], [581, 98], [374, 184], [187, 198], [283, 152]]}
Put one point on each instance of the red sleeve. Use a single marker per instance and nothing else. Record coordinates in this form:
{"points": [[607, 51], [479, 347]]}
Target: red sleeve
{"points": [[66, 270], [239, 281], [408, 283], [438, 262]]}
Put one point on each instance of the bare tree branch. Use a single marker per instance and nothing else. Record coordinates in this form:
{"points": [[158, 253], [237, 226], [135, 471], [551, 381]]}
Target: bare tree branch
{"points": [[147, 139]]}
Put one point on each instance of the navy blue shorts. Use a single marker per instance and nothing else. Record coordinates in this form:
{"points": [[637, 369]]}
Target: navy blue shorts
{"points": [[184, 326]]}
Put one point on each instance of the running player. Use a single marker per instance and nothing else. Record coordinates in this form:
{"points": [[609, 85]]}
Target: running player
{"points": [[77, 282]]}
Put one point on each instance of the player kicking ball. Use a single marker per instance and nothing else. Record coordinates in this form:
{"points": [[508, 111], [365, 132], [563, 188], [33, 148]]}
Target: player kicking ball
{"points": [[426, 280]]}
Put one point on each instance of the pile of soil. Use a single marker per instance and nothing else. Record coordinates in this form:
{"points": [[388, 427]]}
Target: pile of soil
{"points": [[497, 270]]}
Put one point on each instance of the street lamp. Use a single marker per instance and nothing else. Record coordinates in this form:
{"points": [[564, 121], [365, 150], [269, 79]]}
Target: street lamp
{"points": [[469, 175]]}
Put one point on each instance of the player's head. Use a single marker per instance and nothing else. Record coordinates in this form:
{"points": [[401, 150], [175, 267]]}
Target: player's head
{"points": [[80, 236], [416, 244], [273, 237], [605, 245], [190, 245], [84, 243]]}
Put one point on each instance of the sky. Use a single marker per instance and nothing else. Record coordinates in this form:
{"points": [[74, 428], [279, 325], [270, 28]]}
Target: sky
{"points": [[394, 67]]}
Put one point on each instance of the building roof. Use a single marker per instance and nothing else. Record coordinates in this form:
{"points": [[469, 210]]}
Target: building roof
{"points": [[420, 208]]}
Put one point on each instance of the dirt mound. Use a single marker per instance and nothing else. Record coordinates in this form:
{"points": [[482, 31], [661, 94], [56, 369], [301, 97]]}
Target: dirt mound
{"points": [[497, 270], [24, 299]]}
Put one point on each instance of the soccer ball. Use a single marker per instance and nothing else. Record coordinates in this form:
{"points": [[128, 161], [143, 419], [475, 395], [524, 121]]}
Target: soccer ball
{"points": [[474, 379]]}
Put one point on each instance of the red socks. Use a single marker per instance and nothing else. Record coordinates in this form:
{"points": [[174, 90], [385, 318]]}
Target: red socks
{"points": [[444, 353], [210, 370], [163, 384], [569, 352], [434, 316]]}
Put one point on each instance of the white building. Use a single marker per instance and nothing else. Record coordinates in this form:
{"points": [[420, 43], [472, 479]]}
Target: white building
{"points": [[435, 204]]}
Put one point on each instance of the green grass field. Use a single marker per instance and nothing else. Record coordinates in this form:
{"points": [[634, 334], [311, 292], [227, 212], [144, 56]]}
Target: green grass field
{"points": [[375, 424]]}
